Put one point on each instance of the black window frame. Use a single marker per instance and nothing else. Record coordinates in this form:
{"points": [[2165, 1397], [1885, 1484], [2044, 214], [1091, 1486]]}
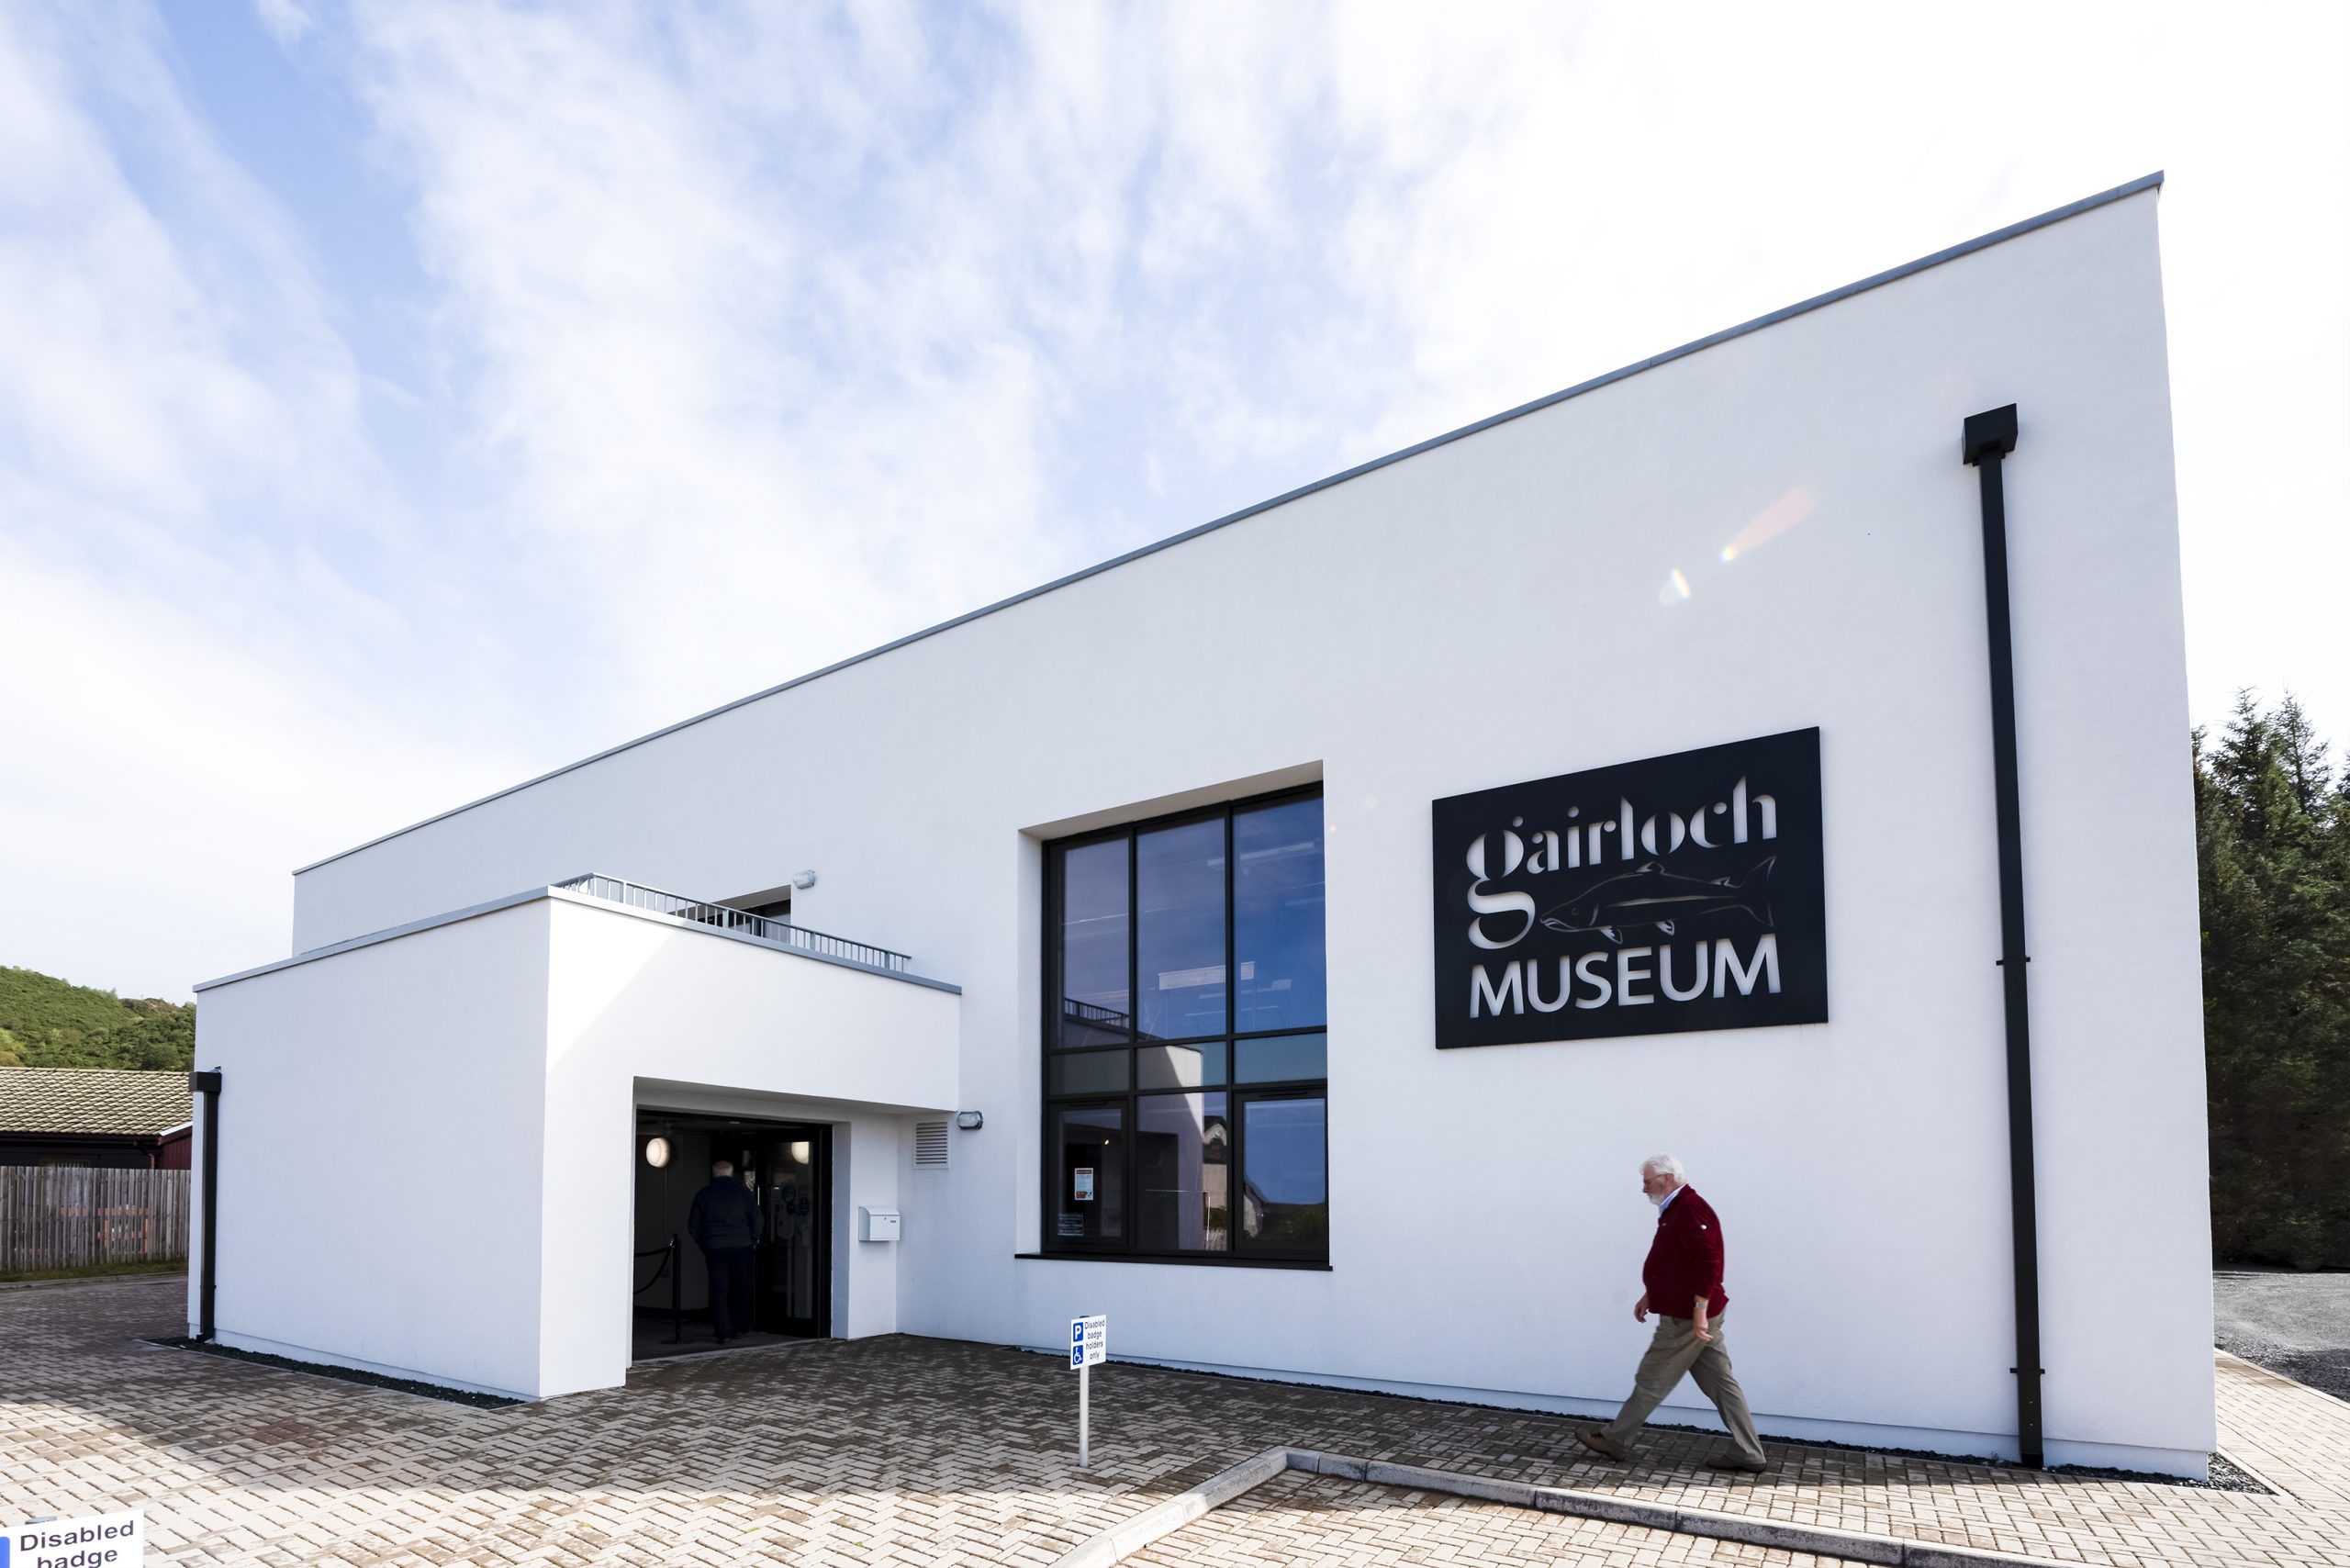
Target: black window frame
{"points": [[1238, 1252]]}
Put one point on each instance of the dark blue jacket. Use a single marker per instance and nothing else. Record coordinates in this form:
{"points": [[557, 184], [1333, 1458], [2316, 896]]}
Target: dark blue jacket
{"points": [[724, 1214]]}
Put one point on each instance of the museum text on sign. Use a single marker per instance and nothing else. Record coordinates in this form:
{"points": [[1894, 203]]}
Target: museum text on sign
{"points": [[1677, 892]]}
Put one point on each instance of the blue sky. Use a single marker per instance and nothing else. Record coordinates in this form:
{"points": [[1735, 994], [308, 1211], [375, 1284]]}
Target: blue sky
{"points": [[398, 400]]}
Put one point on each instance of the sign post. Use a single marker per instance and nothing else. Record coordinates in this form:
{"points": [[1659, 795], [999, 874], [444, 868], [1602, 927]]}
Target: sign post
{"points": [[1089, 1343]]}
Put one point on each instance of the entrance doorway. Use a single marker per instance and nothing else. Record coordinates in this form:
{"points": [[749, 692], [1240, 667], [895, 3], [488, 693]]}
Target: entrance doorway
{"points": [[787, 1166], [791, 1272]]}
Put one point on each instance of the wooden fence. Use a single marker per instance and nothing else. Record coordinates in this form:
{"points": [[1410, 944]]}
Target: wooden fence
{"points": [[63, 1217]]}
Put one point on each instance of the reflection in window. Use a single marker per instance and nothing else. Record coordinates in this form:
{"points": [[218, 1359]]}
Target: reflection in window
{"points": [[1179, 929], [1280, 1059], [1277, 917], [1285, 1198], [1180, 1067], [1087, 1072], [1182, 1162], [791, 1227], [1091, 1170], [1095, 1007]]}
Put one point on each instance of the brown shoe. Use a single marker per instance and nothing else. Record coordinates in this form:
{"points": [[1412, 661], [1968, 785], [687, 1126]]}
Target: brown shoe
{"points": [[1731, 1459], [1599, 1442]]}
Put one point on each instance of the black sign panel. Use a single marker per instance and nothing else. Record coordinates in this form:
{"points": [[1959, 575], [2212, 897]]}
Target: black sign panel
{"points": [[1678, 893]]}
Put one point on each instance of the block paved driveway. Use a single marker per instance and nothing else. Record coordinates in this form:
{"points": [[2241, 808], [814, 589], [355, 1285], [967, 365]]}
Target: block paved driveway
{"points": [[903, 1450]]}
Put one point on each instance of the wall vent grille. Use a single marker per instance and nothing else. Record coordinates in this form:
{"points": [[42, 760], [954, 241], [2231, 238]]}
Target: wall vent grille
{"points": [[930, 1143]]}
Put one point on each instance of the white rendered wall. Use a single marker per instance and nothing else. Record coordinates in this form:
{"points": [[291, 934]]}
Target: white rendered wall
{"points": [[1489, 612], [380, 1157], [427, 1169], [631, 998]]}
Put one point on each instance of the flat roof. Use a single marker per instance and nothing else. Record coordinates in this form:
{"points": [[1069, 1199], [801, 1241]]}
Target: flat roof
{"points": [[514, 900], [1875, 280]]}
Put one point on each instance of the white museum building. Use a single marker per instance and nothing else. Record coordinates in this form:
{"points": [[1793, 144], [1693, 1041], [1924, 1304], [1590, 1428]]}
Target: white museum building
{"points": [[1289, 938]]}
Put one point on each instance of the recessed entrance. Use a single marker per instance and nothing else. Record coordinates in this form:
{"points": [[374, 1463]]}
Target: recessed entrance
{"points": [[787, 1168]]}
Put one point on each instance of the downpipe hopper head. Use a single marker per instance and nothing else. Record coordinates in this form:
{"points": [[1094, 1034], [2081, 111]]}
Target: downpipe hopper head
{"points": [[1991, 433]]}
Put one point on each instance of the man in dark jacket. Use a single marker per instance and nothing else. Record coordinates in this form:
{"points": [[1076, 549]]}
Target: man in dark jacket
{"points": [[724, 1223], [1684, 1280]]}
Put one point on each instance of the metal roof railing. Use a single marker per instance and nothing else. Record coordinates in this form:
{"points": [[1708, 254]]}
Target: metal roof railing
{"points": [[739, 922]]}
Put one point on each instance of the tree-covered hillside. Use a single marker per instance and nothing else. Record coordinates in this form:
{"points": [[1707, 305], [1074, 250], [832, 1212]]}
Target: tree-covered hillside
{"points": [[46, 1022], [2273, 840]]}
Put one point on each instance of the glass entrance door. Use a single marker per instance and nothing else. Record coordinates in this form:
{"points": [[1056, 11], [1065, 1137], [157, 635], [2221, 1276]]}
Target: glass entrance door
{"points": [[793, 1272]]}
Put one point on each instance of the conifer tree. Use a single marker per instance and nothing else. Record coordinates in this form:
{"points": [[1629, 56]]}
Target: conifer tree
{"points": [[2272, 853]]}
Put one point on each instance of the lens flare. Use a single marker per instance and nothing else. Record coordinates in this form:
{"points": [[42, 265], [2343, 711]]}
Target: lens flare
{"points": [[1675, 590], [1772, 521]]}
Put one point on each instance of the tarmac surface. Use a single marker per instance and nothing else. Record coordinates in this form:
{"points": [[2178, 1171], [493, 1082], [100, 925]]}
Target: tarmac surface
{"points": [[2289, 1322]]}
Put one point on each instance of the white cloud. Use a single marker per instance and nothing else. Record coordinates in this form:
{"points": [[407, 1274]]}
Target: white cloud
{"points": [[286, 20], [685, 389], [185, 669], [182, 761], [145, 368], [760, 335]]}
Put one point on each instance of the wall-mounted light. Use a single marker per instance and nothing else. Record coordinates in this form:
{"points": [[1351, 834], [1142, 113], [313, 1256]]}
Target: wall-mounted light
{"points": [[657, 1152], [803, 880], [800, 1152], [970, 1120]]}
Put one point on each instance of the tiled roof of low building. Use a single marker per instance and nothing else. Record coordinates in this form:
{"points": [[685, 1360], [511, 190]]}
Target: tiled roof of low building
{"points": [[91, 1100]]}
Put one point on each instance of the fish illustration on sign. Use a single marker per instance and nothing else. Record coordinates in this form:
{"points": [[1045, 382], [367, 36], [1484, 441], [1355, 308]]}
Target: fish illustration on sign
{"points": [[1654, 896]]}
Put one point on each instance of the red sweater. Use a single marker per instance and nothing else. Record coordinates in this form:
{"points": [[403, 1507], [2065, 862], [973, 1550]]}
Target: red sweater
{"points": [[1685, 1259]]}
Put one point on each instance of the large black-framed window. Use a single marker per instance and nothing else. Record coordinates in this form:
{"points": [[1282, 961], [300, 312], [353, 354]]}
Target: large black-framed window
{"points": [[1186, 1047]]}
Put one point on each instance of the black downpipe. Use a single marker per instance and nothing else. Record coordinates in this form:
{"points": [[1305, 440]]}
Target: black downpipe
{"points": [[1989, 437], [209, 1085]]}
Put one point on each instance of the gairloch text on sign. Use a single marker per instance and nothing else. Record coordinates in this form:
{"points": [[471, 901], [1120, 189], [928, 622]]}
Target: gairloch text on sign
{"points": [[1673, 893]]}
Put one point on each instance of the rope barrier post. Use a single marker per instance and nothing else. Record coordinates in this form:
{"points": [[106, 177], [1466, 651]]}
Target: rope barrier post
{"points": [[676, 1293]]}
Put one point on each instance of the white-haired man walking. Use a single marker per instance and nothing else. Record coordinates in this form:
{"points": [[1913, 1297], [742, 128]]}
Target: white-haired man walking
{"points": [[1683, 1278]]}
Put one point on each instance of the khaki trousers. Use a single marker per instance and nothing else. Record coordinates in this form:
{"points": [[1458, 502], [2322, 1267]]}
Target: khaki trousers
{"points": [[1676, 1349]]}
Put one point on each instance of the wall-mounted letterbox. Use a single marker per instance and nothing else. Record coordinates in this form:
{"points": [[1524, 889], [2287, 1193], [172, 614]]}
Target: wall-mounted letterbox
{"points": [[877, 1224]]}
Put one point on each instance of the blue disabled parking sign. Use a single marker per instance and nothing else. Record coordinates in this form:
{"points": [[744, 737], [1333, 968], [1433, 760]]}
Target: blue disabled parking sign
{"points": [[1089, 1347]]}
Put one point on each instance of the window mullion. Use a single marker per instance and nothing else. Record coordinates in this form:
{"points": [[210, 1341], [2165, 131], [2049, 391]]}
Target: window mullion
{"points": [[1129, 1204], [1236, 1197], [1231, 964], [1048, 1160], [1233, 1197]]}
